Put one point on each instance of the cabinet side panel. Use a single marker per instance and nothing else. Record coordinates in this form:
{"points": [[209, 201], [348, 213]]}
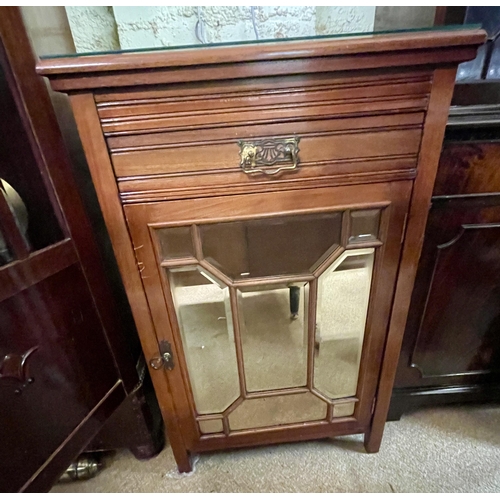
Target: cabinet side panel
{"points": [[434, 126], [102, 175]]}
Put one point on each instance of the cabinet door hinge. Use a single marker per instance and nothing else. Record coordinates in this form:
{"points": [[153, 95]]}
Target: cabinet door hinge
{"points": [[373, 405], [165, 359]]}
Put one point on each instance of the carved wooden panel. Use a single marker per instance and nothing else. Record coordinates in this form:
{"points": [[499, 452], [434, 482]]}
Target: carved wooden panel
{"points": [[454, 320]]}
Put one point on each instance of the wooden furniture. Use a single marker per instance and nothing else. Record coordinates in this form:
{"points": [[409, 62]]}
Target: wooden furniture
{"points": [[67, 355], [137, 424], [227, 175], [451, 347]]}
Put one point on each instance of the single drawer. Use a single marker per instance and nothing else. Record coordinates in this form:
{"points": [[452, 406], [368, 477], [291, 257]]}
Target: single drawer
{"points": [[318, 143], [171, 144], [327, 152]]}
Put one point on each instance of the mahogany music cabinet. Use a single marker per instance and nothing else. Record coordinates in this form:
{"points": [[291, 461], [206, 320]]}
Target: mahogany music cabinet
{"points": [[266, 203]]}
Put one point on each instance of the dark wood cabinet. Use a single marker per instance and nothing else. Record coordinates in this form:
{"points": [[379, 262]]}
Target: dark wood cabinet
{"points": [[451, 347], [67, 361]]}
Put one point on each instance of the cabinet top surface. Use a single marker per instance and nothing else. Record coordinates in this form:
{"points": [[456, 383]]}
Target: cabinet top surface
{"points": [[370, 50]]}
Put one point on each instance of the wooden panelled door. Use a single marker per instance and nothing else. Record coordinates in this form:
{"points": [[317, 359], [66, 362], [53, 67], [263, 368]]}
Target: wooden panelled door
{"points": [[274, 310], [59, 380], [451, 347]]}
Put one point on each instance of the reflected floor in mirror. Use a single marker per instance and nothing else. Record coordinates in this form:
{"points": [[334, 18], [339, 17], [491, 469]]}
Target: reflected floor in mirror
{"points": [[274, 346]]}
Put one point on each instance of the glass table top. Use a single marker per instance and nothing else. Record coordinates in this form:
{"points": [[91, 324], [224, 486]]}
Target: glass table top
{"points": [[267, 40], [122, 30]]}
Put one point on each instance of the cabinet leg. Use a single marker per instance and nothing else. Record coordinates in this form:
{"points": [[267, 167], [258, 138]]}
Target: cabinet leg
{"points": [[372, 441], [183, 459]]}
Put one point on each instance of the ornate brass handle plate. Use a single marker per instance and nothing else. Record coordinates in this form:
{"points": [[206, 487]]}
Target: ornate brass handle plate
{"points": [[255, 156]]}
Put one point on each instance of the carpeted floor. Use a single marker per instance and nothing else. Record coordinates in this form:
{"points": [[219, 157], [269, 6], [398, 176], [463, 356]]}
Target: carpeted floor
{"points": [[435, 450]]}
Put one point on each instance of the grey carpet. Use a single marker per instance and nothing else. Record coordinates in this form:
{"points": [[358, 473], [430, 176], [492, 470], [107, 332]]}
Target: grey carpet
{"points": [[435, 450]]}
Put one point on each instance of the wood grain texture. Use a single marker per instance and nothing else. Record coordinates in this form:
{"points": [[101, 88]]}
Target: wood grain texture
{"points": [[173, 188], [450, 350], [424, 58], [150, 140], [313, 150], [140, 106], [468, 168], [464, 324], [301, 84], [434, 126], [226, 103], [97, 157], [161, 131], [377, 45], [17, 276]]}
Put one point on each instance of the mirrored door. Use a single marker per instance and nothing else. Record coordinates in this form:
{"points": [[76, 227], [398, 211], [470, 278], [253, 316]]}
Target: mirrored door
{"points": [[278, 320]]}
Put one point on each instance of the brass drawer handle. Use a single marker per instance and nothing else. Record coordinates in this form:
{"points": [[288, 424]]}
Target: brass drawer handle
{"points": [[256, 155]]}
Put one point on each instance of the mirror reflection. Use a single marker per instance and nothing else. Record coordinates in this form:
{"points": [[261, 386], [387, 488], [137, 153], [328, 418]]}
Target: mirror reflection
{"points": [[204, 316], [274, 336], [343, 295]]}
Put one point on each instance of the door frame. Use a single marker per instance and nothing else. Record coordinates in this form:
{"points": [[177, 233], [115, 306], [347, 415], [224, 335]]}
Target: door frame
{"points": [[144, 218]]}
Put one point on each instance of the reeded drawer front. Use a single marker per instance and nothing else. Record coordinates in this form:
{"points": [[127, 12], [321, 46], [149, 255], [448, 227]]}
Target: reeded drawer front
{"points": [[349, 150], [320, 143], [263, 100], [165, 144]]}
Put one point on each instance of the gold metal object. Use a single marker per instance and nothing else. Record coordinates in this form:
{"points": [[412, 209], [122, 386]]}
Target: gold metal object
{"points": [[85, 467], [20, 213], [258, 154], [166, 358]]}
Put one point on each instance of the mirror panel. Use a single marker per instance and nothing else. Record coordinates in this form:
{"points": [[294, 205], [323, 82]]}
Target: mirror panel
{"points": [[204, 316], [175, 242], [343, 296], [343, 410], [277, 410], [273, 332], [211, 426], [364, 226], [271, 247]]}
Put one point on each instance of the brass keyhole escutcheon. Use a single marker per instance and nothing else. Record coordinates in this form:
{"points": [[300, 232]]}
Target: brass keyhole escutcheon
{"points": [[165, 359]]}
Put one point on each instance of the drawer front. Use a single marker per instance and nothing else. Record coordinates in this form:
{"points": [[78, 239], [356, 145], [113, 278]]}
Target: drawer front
{"points": [[168, 143], [319, 142]]}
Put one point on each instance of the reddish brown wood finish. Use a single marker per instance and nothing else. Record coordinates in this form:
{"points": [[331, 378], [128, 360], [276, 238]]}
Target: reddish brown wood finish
{"points": [[450, 351], [55, 300], [370, 114], [432, 139], [394, 196], [102, 174], [246, 61]]}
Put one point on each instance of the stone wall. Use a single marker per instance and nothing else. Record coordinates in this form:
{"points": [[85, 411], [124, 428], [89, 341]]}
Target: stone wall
{"points": [[97, 28]]}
